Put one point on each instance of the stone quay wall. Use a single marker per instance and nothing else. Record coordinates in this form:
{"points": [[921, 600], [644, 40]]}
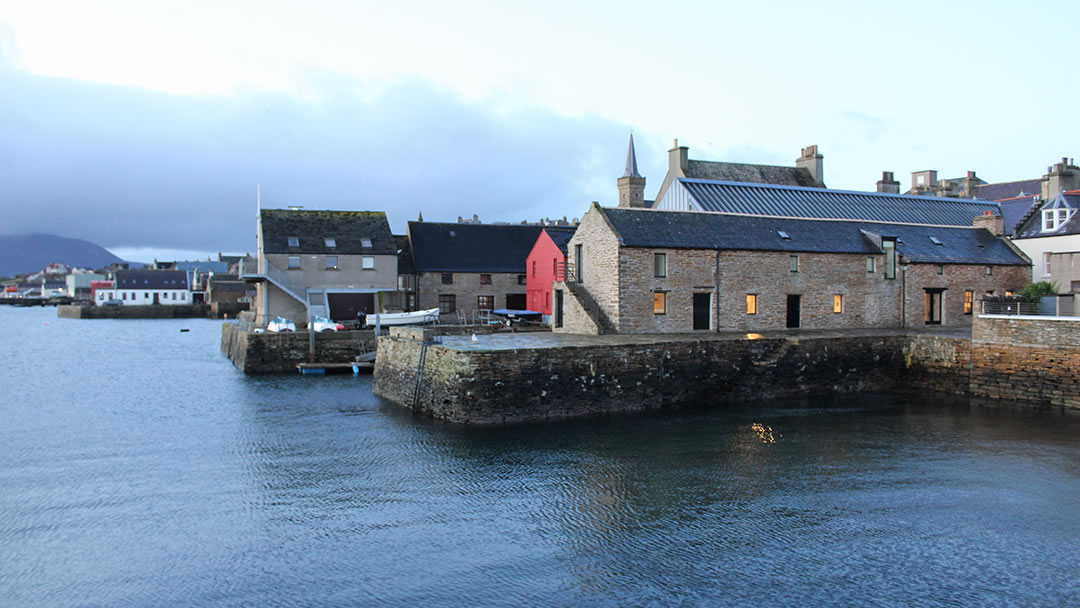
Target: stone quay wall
{"points": [[530, 385], [278, 353], [1030, 360], [148, 311]]}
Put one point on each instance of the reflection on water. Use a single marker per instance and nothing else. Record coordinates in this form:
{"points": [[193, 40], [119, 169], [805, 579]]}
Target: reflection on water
{"points": [[139, 468]]}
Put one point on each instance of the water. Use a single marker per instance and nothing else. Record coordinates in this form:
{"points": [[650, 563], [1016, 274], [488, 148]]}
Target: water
{"points": [[139, 468]]}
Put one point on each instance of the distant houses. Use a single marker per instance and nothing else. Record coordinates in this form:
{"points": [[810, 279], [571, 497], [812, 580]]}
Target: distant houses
{"points": [[145, 287]]}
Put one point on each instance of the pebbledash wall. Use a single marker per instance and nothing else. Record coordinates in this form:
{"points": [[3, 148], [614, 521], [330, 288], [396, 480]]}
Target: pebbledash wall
{"points": [[528, 385]]}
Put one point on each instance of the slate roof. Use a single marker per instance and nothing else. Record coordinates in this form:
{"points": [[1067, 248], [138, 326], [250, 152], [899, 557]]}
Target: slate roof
{"points": [[214, 267], [748, 173], [1032, 226], [560, 236], [439, 247], [151, 279], [1006, 190], [725, 231], [404, 257], [789, 201], [313, 227], [1015, 210]]}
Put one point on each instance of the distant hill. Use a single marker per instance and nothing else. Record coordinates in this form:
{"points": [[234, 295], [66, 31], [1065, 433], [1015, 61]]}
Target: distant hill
{"points": [[23, 253]]}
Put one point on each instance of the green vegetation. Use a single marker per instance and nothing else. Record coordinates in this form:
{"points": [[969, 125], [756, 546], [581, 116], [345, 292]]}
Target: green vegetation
{"points": [[1034, 292]]}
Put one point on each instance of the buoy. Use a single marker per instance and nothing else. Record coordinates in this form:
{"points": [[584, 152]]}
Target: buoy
{"points": [[184, 330]]}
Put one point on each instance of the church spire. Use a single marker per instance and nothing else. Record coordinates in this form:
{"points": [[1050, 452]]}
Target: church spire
{"points": [[631, 160]]}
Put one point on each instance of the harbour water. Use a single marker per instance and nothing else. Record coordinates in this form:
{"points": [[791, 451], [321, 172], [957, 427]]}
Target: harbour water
{"points": [[139, 468]]}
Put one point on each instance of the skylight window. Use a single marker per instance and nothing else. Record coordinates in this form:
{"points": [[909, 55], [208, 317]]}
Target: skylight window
{"points": [[365, 243], [294, 241], [331, 243], [784, 235], [935, 241]]}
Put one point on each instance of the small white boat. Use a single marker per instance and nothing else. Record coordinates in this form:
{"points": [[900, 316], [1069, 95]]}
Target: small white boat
{"points": [[403, 318]]}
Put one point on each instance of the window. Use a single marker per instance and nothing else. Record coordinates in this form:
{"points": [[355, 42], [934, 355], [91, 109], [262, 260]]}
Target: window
{"points": [[523, 279], [936, 241], [365, 243], [889, 245], [838, 303], [183, 295], [969, 301], [294, 261], [534, 267], [485, 302], [660, 265], [146, 295], [331, 243], [174, 295], [794, 263], [659, 303], [367, 262], [1046, 263], [871, 264], [579, 263], [751, 304], [485, 279], [447, 279], [331, 262], [294, 241], [989, 270], [124, 295], [447, 302], [783, 235], [941, 269], [1055, 218], [1008, 292], [101, 295]]}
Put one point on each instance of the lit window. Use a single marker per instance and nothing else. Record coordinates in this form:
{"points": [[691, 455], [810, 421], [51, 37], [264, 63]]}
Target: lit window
{"points": [[294, 261], [751, 304], [365, 243], [871, 264], [794, 263], [485, 279], [294, 241], [331, 243], [367, 262], [660, 265], [485, 302], [1008, 292], [659, 303], [447, 279], [969, 300], [838, 303], [331, 262]]}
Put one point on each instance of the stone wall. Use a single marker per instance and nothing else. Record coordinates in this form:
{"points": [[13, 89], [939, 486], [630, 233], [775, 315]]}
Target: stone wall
{"points": [[689, 271], [466, 288], [575, 319], [497, 387], [937, 364], [956, 279], [277, 353], [148, 311], [600, 262], [1029, 360]]}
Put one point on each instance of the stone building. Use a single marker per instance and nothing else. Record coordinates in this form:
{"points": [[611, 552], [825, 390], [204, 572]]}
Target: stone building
{"points": [[649, 271], [325, 263], [469, 267]]}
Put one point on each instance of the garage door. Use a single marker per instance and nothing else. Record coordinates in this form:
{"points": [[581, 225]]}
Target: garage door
{"points": [[345, 306]]}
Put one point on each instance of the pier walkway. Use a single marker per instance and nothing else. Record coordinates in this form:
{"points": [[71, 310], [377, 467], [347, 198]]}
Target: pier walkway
{"points": [[538, 340]]}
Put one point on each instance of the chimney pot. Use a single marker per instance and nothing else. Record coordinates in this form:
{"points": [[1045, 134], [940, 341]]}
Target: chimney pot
{"points": [[971, 175]]}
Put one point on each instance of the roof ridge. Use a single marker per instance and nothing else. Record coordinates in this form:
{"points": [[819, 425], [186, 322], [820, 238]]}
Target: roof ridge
{"points": [[791, 217]]}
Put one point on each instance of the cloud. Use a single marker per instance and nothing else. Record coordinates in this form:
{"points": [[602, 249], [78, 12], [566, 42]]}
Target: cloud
{"points": [[127, 167]]}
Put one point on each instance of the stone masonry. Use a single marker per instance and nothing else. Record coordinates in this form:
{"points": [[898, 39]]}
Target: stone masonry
{"points": [[1027, 359], [466, 288]]}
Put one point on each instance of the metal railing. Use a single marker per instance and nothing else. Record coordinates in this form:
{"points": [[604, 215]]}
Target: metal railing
{"points": [[1057, 307]]}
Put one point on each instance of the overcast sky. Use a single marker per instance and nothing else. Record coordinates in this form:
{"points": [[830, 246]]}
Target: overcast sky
{"points": [[146, 126]]}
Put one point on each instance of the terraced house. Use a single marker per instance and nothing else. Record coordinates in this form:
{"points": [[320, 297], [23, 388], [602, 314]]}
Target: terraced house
{"points": [[326, 263]]}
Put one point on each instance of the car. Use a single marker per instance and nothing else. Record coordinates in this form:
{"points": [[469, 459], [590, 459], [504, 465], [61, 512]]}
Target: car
{"points": [[113, 302], [281, 325], [325, 324]]}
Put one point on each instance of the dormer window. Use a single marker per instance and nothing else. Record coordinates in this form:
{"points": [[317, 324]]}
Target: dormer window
{"points": [[1056, 218], [784, 235], [331, 243], [365, 243], [294, 241]]}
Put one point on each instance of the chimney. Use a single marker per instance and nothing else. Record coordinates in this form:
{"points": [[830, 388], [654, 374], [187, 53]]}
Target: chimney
{"points": [[813, 162], [994, 223], [678, 164], [888, 184], [1059, 178], [923, 181]]}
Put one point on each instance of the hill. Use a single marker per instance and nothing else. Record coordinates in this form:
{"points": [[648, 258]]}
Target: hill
{"points": [[23, 253]]}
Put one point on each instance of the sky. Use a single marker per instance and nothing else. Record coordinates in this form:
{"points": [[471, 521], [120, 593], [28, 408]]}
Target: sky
{"points": [[147, 127]]}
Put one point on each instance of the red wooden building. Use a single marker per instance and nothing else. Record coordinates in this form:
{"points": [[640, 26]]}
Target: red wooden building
{"points": [[541, 265]]}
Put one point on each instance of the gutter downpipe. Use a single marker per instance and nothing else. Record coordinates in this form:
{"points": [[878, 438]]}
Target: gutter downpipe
{"points": [[903, 296]]}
